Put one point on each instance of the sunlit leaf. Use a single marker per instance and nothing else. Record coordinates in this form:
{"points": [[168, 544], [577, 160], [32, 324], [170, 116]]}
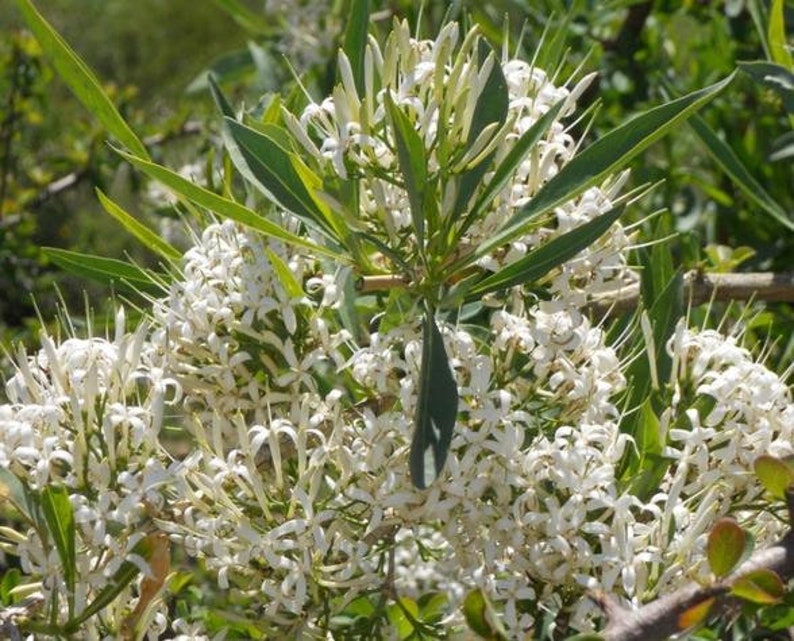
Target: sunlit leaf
{"points": [[759, 586], [107, 271], [779, 47], [602, 158], [140, 231], [80, 79], [775, 475], [356, 40], [729, 163], [413, 164], [223, 206], [541, 261], [725, 546], [436, 408], [481, 616]]}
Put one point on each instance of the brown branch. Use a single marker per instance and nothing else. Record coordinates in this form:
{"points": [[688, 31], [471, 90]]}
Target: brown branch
{"points": [[661, 618], [700, 288]]}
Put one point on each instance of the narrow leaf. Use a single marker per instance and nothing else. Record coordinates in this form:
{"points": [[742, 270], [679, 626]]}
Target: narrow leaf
{"points": [[80, 79], [779, 47], [481, 616], [148, 237], [775, 475], [356, 40], [774, 77], [436, 408], [723, 155], [108, 271], [541, 261], [725, 546], [249, 20], [492, 106], [223, 206], [602, 158], [285, 275], [413, 164], [59, 515], [280, 176], [761, 586], [160, 564]]}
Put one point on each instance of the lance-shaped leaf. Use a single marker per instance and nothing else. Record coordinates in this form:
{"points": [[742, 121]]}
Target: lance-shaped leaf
{"points": [[723, 155], [413, 164], [283, 178], [436, 407], [491, 107], [80, 79], [538, 263], [223, 206], [108, 271], [599, 160], [59, 515], [356, 40], [147, 236]]}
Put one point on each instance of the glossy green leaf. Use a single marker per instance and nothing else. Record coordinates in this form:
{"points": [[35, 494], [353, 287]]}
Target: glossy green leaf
{"points": [[436, 408], [725, 546], [412, 157], [402, 616], [647, 466], [140, 231], [223, 206], [121, 579], [482, 618], [762, 586], [80, 79], [729, 162], [491, 107], [779, 47], [108, 271], [775, 475], [604, 157], [356, 40], [541, 261], [282, 177], [59, 515], [284, 275]]}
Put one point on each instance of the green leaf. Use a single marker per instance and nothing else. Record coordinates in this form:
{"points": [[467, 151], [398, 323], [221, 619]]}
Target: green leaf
{"points": [[402, 616], [223, 206], [121, 579], [58, 514], [775, 475], [482, 618], [148, 237], [79, 78], [283, 178], [436, 407], [647, 466], [492, 106], [356, 40], [13, 491], [602, 158], [108, 271], [541, 261], [725, 546], [762, 586], [284, 275], [729, 163], [776, 34], [413, 164]]}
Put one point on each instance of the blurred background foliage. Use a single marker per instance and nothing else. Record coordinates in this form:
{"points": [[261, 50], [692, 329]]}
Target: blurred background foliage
{"points": [[152, 56]]}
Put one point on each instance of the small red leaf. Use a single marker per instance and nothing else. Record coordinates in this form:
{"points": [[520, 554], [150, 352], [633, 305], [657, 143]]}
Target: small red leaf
{"points": [[695, 615]]}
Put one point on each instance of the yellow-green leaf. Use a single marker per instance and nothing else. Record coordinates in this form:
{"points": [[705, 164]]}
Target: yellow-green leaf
{"points": [[775, 475], [725, 546], [760, 586]]}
